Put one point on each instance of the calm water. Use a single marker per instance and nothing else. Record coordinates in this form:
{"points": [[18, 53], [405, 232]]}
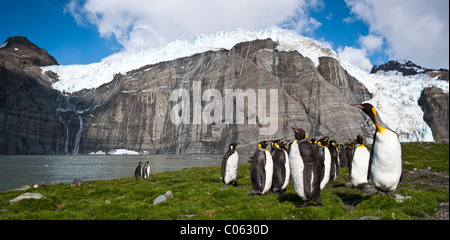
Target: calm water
{"points": [[20, 170]]}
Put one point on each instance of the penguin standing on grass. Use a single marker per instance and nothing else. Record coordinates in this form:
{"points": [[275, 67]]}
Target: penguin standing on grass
{"points": [[306, 168], [334, 170], [360, 164], [343, 160], [322, 146], [261, 169], [385, 165], [137, 172], [230, 165], [146, 171], [281, 169]]}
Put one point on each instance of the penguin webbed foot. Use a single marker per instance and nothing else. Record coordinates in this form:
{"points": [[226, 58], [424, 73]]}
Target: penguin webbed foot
{"points": [[252, 192], [278, 191], [305, 204], [234, 184]]}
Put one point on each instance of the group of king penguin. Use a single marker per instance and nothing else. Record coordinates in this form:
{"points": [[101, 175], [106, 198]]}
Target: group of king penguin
{"points": [[312, 164], [142, 171]]}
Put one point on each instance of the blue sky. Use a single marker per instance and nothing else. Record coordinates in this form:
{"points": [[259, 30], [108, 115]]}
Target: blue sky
{"points": [[363, 32]]}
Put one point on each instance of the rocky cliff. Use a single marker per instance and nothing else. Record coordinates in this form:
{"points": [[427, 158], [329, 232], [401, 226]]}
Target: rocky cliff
{"points": [[434, 103], [408, 68], [135, 110], [28, 123]]}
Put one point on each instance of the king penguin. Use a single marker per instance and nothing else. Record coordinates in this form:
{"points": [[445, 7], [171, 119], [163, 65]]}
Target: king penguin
{"points": [[306, 169], [146, 171], [230, 165], [281, 170], [137, 172], [385, 165], [261, 169], [327, 161], [334, 170], [360, 163], [343, 160]]}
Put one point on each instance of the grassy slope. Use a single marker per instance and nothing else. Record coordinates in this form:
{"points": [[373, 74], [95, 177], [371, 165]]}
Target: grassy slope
{"points": [[198, 194]]}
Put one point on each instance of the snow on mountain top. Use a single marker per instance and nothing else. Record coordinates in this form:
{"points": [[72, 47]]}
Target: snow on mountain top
{"points": [[395, 97], [76, 77]]}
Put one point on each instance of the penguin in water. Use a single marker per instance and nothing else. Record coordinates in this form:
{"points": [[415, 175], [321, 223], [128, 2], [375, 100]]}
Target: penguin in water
{"points": [[334, 170], [230, 165], [146, 171], [137, 172], [281, 170], [360, 164], [261, 169], [306, 168], [385, 164], [327, 161]]}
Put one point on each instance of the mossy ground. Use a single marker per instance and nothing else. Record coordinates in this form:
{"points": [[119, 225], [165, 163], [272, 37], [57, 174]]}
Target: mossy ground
{"points": [[200, 194]]}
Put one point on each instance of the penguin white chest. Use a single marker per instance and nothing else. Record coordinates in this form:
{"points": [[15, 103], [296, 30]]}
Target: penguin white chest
{"points": [[360, 166], [288, 172], [297, 166], [386, 166], [327, 163], [231, 168], [269, 172]]}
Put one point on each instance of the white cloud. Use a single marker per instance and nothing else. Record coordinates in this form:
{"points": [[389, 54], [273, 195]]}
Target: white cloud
{"points": [[416, 30], [371, 42], [139, 24], [355, 56]]}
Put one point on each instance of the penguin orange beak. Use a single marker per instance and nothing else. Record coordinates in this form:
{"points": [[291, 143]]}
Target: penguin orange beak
{"points": [[359, 106]]}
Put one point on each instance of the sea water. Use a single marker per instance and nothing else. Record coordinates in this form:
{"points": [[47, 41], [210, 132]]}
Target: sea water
{"points": [[20, 170]]}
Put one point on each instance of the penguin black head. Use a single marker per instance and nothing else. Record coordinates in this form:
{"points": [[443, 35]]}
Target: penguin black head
{"points": [[232, 146], [359, 139], [300, 134], [333, 143], [323, 141], [263, 144], [284, 145], [140, 163], [277, 143], [370, 110]]}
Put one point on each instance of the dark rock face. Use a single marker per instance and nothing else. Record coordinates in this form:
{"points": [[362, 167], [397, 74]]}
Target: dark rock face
{"points": [[20, 48], [351, 88], [434, 103], [408, 68], [27, 113], [133, 111]]}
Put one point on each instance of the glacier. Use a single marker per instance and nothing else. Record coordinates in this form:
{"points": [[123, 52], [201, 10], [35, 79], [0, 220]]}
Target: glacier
{"points": [[394, 96]]}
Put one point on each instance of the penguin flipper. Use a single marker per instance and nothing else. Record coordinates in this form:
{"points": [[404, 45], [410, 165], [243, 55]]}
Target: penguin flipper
{"points": [[370, 165], [262, 176]]}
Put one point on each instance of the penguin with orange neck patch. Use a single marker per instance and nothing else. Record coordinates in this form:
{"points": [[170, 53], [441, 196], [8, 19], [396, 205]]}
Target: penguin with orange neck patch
{"points": [[261, 169], [385, 164], [360, 164], [323, 147], [306, 169], [281, 169]]}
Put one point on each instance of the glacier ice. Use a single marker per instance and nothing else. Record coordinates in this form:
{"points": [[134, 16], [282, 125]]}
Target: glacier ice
{"points": [[394, 96]]}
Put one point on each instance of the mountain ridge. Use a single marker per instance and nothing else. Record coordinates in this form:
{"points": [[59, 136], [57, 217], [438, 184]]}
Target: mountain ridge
{"points": [[406, 68], [131, 111]]}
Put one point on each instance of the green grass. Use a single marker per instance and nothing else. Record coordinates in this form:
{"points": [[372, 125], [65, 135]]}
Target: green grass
{"points": [[198, 194], [424, 155]]}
